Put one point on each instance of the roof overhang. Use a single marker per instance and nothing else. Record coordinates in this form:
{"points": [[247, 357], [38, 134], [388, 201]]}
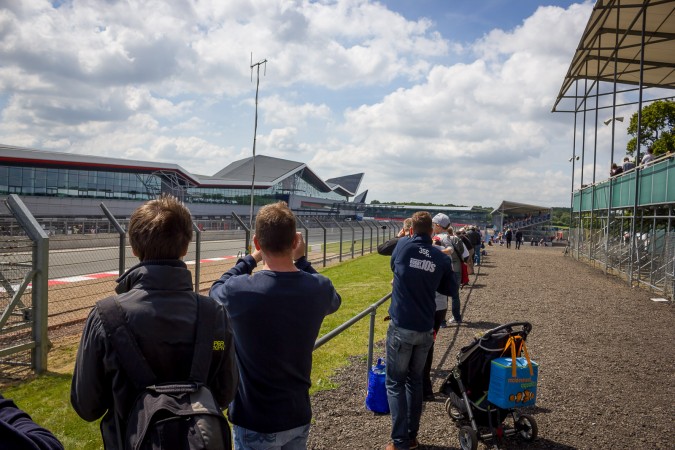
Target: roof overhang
{"points": [[507, 207], [610, 49]]}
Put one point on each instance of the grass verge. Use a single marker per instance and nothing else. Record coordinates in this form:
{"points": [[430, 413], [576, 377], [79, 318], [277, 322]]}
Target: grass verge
{"points": [[360, 282]]}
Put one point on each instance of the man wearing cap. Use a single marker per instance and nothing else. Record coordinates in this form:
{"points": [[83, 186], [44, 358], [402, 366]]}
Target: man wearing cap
{"points": [[420, 270], [452, 246]]}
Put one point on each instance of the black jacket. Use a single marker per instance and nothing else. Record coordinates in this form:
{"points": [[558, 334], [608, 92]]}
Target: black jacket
{"points": [[161, 310]]}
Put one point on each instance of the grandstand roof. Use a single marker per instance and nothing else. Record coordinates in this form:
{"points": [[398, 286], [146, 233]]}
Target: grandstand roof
{"points": [[614, 33], [361, 198], [268, 170], [507, 207], [349, 182]]}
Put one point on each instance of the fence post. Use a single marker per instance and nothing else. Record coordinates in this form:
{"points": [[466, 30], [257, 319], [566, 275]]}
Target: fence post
{"points": [[371, 339], [198, 254], [340, 228], [123, 238], [324, 241], [363, 236], [247, 245], [40, 286], [377, 232], [371, 236], [353, 241], [302, 225]]}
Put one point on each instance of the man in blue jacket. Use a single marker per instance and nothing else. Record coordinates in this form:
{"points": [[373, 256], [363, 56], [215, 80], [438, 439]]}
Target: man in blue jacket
{"points": [[276, 314], [420, 270]]}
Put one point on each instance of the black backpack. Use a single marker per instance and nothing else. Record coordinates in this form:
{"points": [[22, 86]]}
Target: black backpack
{"points": [[181, 415]]}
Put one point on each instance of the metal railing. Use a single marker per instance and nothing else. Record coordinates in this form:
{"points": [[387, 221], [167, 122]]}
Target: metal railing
{"points": [[372, 312]]}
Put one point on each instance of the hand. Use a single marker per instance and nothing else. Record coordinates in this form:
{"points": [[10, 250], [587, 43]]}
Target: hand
{"points": [[257, 255], [299, 250]]}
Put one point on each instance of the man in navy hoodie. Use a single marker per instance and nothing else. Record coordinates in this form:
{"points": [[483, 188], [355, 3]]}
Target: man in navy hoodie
{"points": [[276, 314], [420, 270]]}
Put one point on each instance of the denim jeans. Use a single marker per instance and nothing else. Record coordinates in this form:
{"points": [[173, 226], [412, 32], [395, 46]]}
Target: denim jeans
{"points": [[406, 354], [293, 439], [476, 255], [455, 308]]}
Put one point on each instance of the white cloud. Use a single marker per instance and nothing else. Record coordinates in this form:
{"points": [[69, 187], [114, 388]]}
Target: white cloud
{"points": [[350, 86]]}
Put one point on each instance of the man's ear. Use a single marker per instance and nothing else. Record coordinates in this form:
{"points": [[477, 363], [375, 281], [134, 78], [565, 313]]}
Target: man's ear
{"points": [[256, 243], [296, 241]]}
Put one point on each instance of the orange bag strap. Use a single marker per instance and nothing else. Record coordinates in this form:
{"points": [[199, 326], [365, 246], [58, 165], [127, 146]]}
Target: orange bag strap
{"points": [[517, 345]]}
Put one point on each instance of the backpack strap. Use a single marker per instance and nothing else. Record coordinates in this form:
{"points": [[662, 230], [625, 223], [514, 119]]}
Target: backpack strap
{"points": [[132, 360], [205, 330]]}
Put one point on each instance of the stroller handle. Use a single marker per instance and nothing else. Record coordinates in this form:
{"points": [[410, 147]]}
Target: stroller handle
{"points": [[527, 327]]}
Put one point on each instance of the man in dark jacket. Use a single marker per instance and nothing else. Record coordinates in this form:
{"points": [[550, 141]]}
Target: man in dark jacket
{"points": [[157, 299], [420, 270], [476, 241], [387, 248], [19, 432]]}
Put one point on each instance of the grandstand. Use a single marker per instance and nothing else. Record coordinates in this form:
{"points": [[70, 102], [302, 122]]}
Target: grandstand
{"points": [[534, 221], [624, 61]]}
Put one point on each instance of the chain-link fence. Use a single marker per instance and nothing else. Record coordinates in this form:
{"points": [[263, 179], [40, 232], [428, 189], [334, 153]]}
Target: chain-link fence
{"points": [[85, 262], [641, 251]]}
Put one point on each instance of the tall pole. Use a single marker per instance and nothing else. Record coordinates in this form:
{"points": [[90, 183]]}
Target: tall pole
{"points": [[255, 131]]}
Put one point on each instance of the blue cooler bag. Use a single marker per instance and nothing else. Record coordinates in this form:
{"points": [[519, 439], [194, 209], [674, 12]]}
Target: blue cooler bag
{"points": [[376, 399], [513, 387]]}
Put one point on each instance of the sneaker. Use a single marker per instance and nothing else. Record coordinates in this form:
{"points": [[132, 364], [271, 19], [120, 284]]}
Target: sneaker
{"points": [[454, 321], [413, 444], [391, 446], [444, 324]]}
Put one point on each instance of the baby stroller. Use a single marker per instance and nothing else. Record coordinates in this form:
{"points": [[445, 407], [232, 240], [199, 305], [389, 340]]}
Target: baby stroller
{"points": [[467, 388]]}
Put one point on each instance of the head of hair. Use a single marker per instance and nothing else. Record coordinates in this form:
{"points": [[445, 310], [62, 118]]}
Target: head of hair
{"points": [[407, 224], [450, 230], [275, 228], [160, 229], [421, 223]]}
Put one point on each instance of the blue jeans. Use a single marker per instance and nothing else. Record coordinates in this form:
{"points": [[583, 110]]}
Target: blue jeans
{"points": [[293, 439], [406, 354], [476, 255], [455, 308]]}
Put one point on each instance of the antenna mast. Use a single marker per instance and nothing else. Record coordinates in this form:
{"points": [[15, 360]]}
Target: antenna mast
{"points": [[255, 128]]}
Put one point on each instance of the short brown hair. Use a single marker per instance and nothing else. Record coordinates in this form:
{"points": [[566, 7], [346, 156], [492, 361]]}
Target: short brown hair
{"points": [[407, 224], [160, 229], [275, 228], [421, 223]]}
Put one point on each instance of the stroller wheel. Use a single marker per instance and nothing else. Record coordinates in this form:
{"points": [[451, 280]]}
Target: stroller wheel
{"points": [[468, 439], [453, 411], [527, 427]]}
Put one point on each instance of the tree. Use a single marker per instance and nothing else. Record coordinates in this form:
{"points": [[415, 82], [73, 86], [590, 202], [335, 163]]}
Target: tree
{"points": [[657, 128]]}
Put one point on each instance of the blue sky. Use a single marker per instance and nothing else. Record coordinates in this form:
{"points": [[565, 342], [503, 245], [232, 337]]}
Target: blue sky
{"points": [[442, 101]]}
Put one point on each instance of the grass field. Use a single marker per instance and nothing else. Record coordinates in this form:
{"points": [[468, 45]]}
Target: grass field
{"points": [[360, 282]]}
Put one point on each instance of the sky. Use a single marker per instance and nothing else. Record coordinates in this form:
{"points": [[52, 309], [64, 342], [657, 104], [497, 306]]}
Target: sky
{"points": [[443, 101]]}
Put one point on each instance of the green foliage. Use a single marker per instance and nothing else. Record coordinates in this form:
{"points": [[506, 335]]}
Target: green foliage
{"points": [[657, 128], [560, 217]]}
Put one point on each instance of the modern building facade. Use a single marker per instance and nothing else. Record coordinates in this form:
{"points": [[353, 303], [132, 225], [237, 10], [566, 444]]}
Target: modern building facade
{"points": [[56, 184]]}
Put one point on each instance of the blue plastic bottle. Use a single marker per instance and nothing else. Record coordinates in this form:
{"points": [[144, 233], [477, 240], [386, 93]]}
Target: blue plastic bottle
{"points": [[376, 399]]}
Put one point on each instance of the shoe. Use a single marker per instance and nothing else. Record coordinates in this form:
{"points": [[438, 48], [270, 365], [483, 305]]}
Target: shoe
{"points": [[429, 397], [453, 321], [391, 446], [444, 324], [413, 444]]}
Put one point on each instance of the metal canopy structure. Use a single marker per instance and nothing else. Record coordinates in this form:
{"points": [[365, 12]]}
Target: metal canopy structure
{"points": [[507, 207], [626, 56], [611, 50]]}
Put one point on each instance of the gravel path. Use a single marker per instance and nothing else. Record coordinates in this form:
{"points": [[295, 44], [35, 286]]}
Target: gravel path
{"points": [[606, 355]]}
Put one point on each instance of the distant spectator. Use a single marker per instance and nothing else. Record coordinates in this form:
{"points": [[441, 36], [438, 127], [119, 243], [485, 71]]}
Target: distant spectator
{"points": [[615, 170], [519, 238], [388, 247], [628, 164], [19, 432], [648, 158], [509, 237]]}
